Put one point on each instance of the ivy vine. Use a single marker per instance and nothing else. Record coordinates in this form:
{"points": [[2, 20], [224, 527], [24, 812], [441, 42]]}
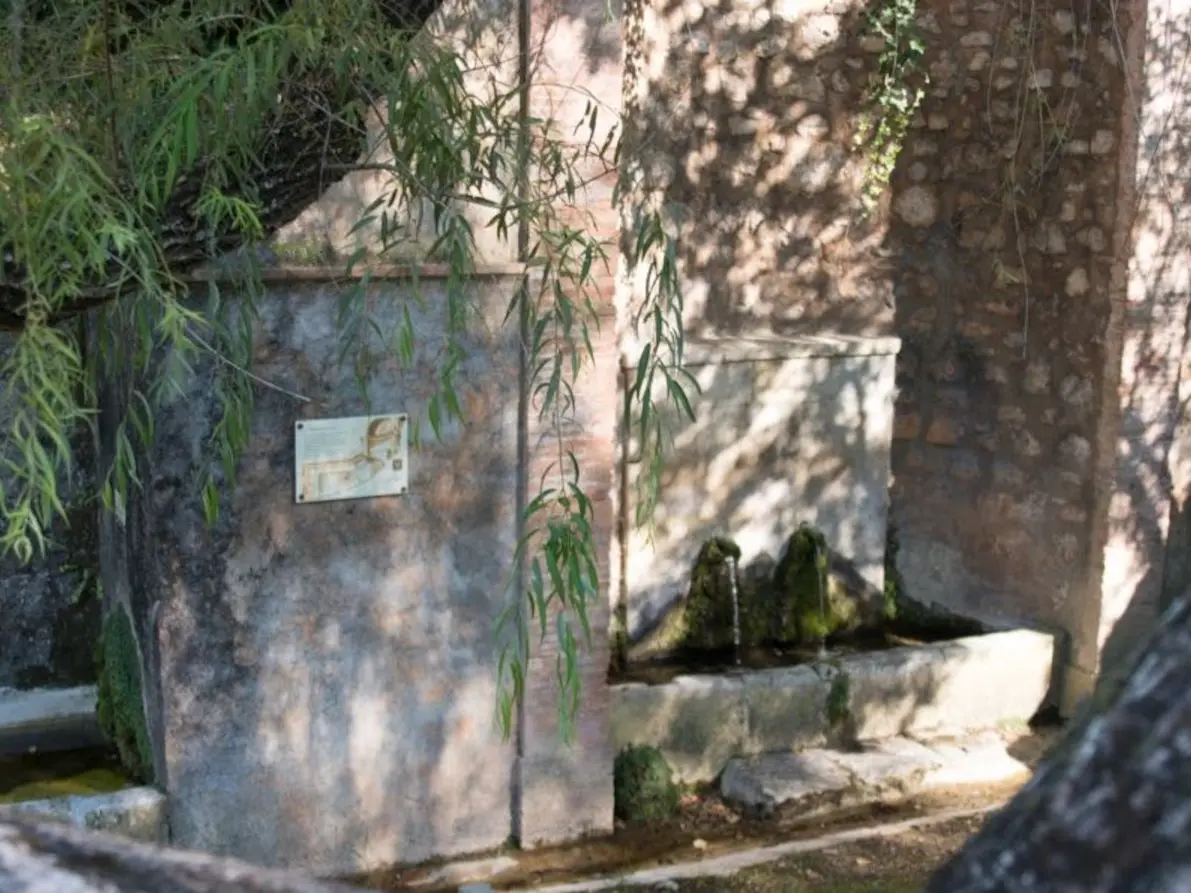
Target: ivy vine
{"points": [[894, 95]]}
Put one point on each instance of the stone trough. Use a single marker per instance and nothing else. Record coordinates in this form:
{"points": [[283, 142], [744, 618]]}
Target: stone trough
{"points": [[944, 689], [48, 718], [62, 719]]}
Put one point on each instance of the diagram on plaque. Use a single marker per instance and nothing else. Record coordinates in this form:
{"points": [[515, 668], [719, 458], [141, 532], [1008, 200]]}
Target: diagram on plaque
{"points": [[351, 458]]}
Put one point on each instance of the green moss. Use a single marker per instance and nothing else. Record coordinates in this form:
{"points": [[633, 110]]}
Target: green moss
{"points": [[707, 611], [839, 699], [811, 607], [119, 706], [643, 786], [893, 580]]}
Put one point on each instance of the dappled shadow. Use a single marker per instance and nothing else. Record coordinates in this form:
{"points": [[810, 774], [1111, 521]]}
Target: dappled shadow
{"points": [[740, 118], [325, 674]]}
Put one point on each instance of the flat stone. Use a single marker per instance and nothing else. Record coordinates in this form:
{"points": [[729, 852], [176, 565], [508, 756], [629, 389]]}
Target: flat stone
{"points": [[895, 763], [135, 813], [772, 780], [980, 759]]}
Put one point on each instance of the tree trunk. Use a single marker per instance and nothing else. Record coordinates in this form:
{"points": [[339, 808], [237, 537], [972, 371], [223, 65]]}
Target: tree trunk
{"points": [[1110, 808], [47, 857]]}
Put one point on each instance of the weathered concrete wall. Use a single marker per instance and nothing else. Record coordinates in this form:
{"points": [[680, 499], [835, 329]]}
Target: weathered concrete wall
{"points": [[325, 673]]}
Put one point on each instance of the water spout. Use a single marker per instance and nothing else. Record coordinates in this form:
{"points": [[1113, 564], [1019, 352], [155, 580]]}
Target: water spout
{"points": [[820, 573], [735, 606]]}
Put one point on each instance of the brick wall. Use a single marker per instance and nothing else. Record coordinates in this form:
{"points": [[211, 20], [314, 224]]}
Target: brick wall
{"points": [[566, 790]]}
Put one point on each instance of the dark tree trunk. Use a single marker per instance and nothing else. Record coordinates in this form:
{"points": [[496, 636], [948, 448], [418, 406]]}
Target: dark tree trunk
{"points": [[53, 858], [1110, 809]]}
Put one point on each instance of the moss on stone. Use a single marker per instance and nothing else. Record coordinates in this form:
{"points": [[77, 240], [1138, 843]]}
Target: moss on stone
{"points": [[893, 580], [643, 786], [120, 707], [811, 607], [839, 699], [707, 610]]}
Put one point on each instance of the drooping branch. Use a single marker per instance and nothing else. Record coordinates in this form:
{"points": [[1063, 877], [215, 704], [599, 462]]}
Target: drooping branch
{"points": [[312, 139], [1110, 808]]}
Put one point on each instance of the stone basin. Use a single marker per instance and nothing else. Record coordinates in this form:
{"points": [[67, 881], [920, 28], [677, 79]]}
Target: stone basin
{"points": [[947, 688]]}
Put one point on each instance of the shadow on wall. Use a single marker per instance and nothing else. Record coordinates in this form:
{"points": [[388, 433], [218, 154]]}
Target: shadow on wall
{"points": [[741, 119], [1031, 369], [327, 671], [783, 435]]}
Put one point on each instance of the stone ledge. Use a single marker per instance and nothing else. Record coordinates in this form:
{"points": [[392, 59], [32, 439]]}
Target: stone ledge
{"points": [[816, 782], [136, 813], [47, 713], [378, 272], [715, 351], [948, 688]]}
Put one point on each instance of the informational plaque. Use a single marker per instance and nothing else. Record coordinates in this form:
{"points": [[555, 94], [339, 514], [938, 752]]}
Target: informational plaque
{"points": [[352, 458]]}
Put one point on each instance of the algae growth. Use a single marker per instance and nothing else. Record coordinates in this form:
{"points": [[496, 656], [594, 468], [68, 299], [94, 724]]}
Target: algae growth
{"points": [[75, 772], [119, 707]]}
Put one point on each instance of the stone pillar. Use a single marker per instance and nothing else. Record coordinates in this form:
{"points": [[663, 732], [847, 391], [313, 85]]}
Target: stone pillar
{"points": [[566, 789], [1144, 347]]}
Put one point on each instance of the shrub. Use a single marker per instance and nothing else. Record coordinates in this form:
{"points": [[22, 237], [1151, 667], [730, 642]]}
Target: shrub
{"points": [[643, 785]]}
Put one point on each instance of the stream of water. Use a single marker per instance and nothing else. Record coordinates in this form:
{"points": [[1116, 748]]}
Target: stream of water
{"points": [[735, 608]]}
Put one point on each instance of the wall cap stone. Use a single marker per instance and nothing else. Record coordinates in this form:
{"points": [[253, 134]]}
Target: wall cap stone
{"points": [[714, 351]]}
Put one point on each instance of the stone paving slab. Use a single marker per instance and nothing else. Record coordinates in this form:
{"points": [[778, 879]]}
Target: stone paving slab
{"points": [[814, 781]]}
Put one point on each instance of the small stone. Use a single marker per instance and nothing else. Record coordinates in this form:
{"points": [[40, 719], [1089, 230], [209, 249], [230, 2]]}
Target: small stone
{"points": [[817, 33], [1076, 449], [917, 206], [872, 43], [943, 432], [1076, 147], [1069, 80], [937, 122], [1067, 212], [977, 39], [1027, 444], [1011, 415], [918, 171], [1077, 282], [1102, 142], [1065, 21], [699, 843], [1094, 238], [1037, 377], [979, 60], [1076, 391], [1042, 79]]}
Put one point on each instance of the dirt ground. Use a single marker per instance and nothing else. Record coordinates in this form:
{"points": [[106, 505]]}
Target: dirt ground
{"points": [[897, 864]]}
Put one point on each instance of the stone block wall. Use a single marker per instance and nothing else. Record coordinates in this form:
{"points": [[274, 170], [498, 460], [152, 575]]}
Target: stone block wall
{"points": [[1005, 214], [787, 430], [740, 118], [1028, 254]]}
